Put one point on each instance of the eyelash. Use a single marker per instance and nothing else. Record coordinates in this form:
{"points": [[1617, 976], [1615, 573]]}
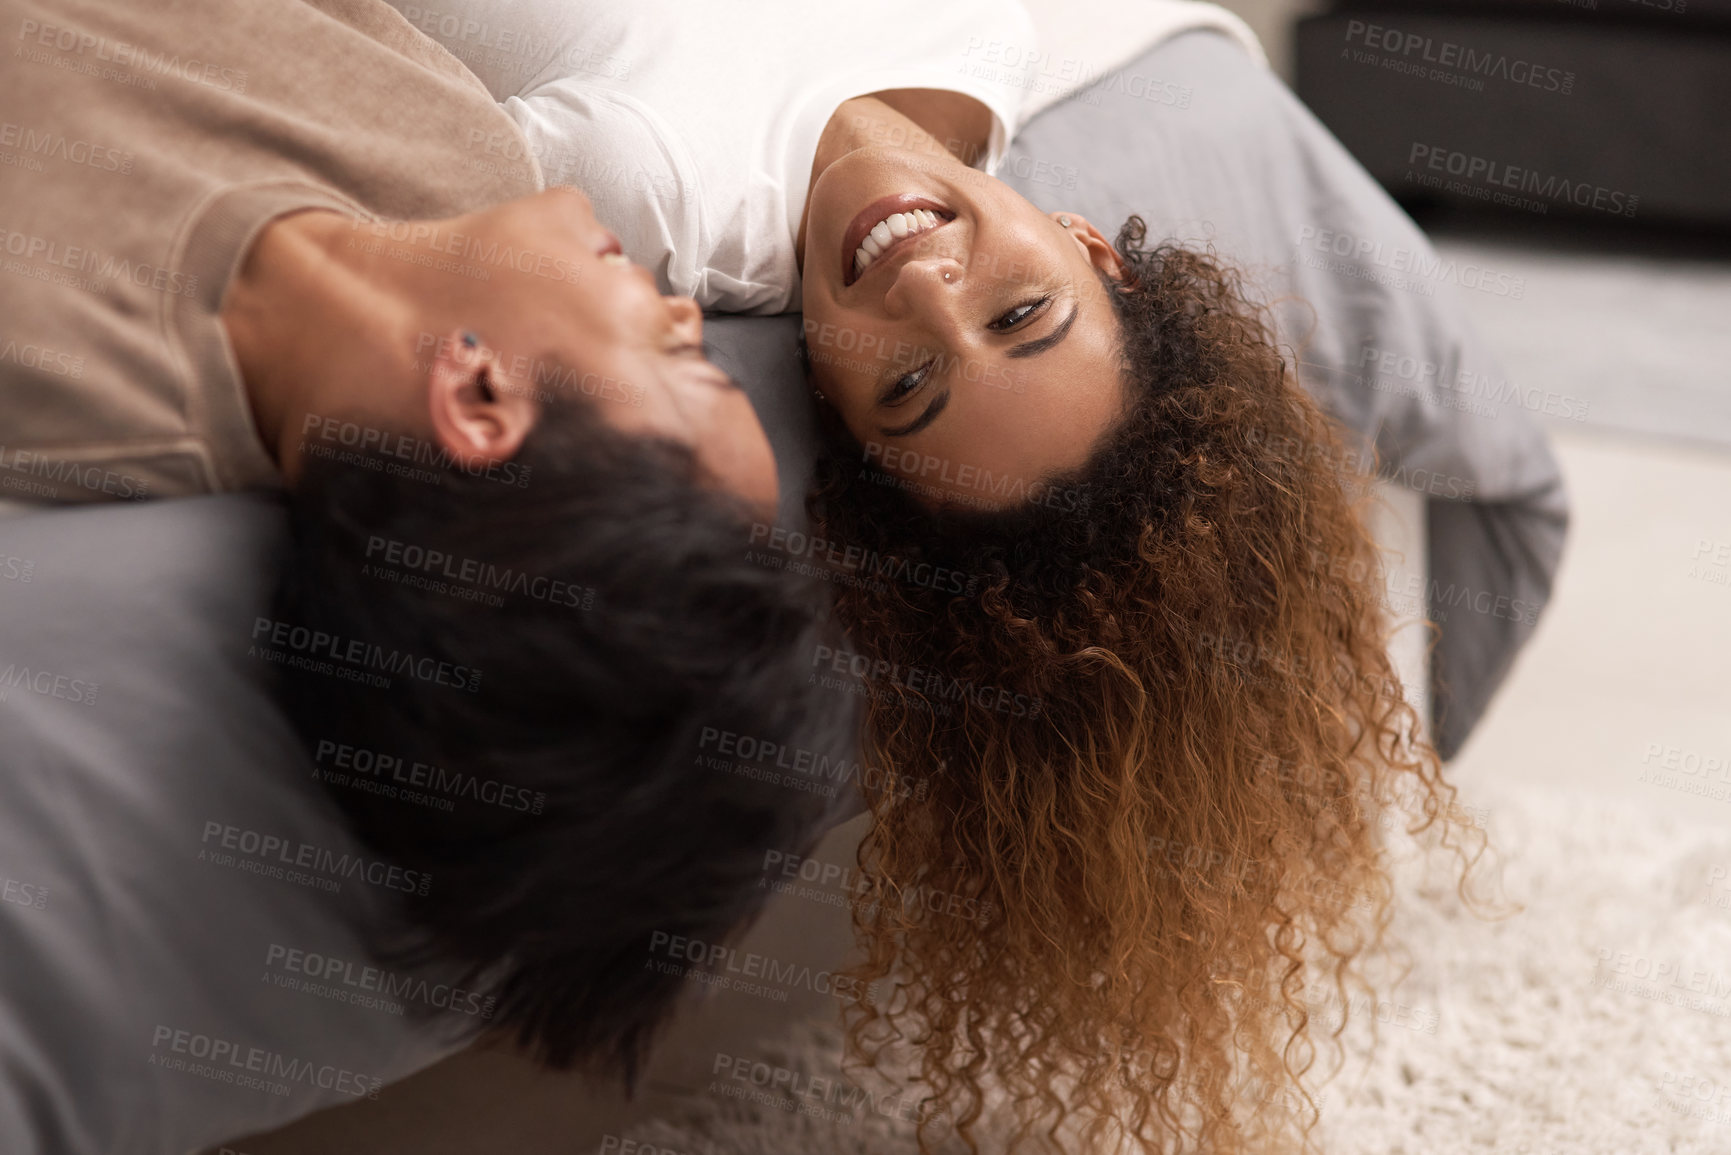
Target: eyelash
{"points": [[911, 381], [1033, 307]]}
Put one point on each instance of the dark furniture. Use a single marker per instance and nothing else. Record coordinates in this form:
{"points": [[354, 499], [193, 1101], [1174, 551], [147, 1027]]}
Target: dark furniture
{"points": [[1601, 109]]}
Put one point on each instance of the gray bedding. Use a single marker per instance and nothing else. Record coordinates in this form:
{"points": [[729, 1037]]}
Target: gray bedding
{"points": [[172, 979], [108, 803]]}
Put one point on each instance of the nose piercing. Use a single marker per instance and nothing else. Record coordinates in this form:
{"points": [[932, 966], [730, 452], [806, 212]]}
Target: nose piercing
{"points": [[946, 276], [1065, 221]]}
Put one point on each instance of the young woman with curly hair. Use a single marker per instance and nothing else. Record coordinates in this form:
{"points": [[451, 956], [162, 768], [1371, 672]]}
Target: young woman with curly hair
{"points": [[1180, 837], [1172, 831]]}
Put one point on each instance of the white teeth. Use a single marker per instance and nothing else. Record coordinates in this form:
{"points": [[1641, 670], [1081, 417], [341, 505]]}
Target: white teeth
{"points": [[615, 258], [892, 228]]}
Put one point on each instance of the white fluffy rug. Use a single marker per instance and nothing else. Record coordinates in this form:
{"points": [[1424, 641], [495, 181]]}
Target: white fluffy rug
{"points": [[1597, 1020]]}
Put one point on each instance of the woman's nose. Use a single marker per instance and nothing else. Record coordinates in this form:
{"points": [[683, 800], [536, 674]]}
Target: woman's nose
{"points": [[921, 287], [687, 317]]}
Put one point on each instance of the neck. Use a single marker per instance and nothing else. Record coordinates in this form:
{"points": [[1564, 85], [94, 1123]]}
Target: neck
{"points": [[949, 126], [312, 312]]}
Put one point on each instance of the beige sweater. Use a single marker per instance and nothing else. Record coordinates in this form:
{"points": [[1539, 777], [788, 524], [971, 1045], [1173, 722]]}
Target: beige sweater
{"points": [[142, 149]]}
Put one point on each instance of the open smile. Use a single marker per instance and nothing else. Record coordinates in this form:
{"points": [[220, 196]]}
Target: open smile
{"points": [[884, 226]]}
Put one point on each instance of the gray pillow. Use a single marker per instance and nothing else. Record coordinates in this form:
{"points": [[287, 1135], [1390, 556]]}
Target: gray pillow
{"points": [[180, 901]]}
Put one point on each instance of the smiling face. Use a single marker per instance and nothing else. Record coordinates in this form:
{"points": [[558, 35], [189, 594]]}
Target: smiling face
{"points": [[963, 336], [585, 316]]}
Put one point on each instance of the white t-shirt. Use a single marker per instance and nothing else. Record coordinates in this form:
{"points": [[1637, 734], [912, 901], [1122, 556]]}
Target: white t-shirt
{"points": [[692, 124]]}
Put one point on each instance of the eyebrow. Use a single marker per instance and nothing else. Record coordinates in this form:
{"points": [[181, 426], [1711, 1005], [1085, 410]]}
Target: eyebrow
{"points": [[930, 415], [1040, 344], [1026, 349]]}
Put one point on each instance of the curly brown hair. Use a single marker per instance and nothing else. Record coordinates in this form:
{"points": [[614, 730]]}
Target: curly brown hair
{"points": [[1180, 837]]}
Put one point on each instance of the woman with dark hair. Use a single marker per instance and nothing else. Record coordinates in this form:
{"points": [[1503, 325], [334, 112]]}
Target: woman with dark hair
{"points": [[1180, 837]]}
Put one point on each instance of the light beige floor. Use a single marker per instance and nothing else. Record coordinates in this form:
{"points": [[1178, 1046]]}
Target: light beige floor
{"points": [[1634, 651]]}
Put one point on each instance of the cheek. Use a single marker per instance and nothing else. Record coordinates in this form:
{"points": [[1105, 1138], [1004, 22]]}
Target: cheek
{"points": [[847, 359], [736, 450]]}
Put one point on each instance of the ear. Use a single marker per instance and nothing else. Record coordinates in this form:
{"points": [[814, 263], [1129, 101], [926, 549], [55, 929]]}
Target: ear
{"points": [[1101, 254], [478, 415]]}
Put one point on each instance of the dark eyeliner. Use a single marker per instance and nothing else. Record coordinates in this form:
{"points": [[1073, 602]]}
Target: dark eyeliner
{"points": [[1034, 307], [903, 387]]}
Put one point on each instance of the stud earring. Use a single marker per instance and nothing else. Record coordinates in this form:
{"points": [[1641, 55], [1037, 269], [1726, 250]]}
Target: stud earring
{"points": [[1065, 221]]}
